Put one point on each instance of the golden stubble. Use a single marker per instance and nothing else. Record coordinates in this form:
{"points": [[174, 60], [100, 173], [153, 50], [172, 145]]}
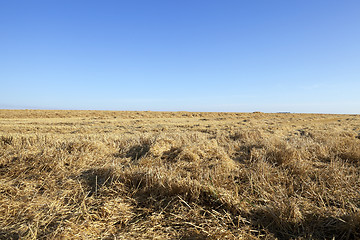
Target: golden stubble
{"points": [[178, 175]]}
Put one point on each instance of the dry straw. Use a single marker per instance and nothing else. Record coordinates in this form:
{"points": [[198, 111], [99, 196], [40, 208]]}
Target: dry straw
{"points": [[154, 175]]}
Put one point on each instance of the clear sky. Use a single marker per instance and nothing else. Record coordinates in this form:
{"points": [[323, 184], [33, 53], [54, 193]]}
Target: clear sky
{"points": [[172, 55]]}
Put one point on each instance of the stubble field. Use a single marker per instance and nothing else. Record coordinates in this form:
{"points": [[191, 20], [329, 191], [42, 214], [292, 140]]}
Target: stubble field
{"points": [[178, 175]]}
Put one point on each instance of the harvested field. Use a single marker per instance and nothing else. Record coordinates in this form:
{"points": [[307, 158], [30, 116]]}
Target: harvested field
{"points": [[178, 175]]}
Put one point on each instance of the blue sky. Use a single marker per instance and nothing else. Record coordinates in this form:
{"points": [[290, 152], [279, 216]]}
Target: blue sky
{"points": [[191, 55]]}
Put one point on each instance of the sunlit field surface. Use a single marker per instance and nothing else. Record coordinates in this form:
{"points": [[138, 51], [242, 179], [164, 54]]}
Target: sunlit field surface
{"points": [[178, 175]]}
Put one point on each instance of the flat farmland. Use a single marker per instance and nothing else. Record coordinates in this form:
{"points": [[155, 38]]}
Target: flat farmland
{"points": [[178, 175]]}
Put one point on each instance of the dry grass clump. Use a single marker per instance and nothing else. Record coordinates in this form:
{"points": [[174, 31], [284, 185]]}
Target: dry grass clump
{"points": [[223, 178]]}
